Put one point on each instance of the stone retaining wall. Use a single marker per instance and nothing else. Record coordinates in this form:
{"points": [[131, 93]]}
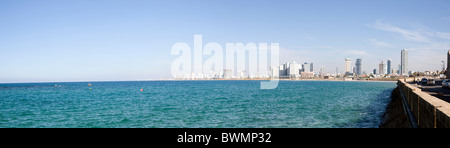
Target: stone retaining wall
{"points": [[429, 111]]}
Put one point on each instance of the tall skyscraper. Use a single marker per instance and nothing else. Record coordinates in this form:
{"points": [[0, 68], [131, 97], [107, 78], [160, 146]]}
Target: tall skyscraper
{"points": [[312, 67], [283, 70], [348, 66], [293, 69], [389, 67], [448, 64], [306, 67], [404, 62], [382, 68], [275, 72], [358, 66]]}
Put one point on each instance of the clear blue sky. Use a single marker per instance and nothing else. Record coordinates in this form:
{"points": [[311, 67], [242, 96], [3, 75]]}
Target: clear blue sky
{"points": [[87, 40]]}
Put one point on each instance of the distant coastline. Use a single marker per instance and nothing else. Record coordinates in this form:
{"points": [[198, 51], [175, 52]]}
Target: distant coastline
{"points": [[368, 80], [319, 79]]}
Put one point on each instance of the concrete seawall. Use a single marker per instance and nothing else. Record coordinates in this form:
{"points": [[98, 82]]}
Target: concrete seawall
{"points": [[427, 111]]}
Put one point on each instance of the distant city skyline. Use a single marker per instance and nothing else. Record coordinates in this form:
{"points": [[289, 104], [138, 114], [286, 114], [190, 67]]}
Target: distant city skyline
{"points": [[52, 41]]}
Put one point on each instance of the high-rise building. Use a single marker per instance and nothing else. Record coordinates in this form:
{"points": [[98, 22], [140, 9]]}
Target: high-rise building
{"points": [[448, 64], [348, 65], [389, 67], [275, 72], [293, 69], [306, 67], [358, 66], [404, 62], [382, 68], [374, 71], [312, 67], [282, 70]]}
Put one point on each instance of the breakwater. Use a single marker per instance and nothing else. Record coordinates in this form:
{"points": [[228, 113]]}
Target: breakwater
{"points": [[410, 107]]}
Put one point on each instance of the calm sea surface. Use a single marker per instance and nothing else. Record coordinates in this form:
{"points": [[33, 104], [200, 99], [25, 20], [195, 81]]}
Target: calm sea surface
{"points": [[194, 104]]}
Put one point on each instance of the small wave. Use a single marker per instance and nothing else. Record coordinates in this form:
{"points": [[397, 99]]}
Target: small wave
{"points": [[27, 113], [221, 98], [125, 120]]}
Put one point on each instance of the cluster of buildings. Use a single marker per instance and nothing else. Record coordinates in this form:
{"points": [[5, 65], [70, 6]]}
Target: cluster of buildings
{"points": [[385, 69], [293, 70], [356, 70], [223, 74], [296, 70], [306, 70]]}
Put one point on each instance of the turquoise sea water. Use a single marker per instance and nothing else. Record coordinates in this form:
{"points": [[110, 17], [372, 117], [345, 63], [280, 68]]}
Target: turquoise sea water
{"points": [[194, 104]]}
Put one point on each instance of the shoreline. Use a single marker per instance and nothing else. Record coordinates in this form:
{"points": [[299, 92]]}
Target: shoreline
{"points": [[337, 80]]}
